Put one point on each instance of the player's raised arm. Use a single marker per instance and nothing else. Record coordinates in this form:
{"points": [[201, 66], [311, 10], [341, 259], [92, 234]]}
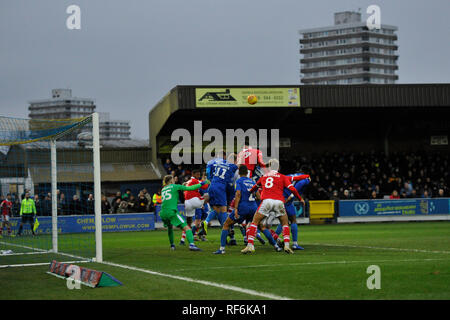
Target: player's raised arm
{"points": [[193, 187], [256, 186], [205, 185], [260, 162], [288, 184], [300, 177]]}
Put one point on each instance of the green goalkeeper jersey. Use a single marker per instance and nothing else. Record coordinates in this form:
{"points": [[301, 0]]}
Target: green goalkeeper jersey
{"points": [[170, 195]]}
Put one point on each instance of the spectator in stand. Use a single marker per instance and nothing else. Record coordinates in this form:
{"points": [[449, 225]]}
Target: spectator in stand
{"points": [[90, 207], [123, 207], [118, 196], [142, 203], [116, 205], [132, 204], [47, 206], [75, 206], [346, 195], [441, 193], [106, 206], [149, 199], [335, 196], [394, 195], [413, 194], [180, 171], [426, 194], [168, 165], [63, 206], [407, 188], [38, 204], [359, 194], [126, 195], [157, 199], [16, 205], [374, 195]]}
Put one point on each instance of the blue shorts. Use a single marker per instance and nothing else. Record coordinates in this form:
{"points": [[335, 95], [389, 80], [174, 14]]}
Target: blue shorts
{"points": [[290, 209], [198, 214], [246, 213], [218, 194]]}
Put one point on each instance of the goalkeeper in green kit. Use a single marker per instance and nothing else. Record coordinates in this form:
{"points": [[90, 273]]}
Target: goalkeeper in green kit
{"points": [[169, 210]]}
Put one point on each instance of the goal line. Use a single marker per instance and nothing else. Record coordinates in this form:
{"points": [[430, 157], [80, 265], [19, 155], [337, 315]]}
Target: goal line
{"points": [[36, 251]]}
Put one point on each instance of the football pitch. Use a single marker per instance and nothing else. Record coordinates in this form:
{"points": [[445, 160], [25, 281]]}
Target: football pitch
{"points": [[414, 262]]}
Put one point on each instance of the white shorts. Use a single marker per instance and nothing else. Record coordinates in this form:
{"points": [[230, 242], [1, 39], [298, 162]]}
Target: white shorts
{"points": [[5, 218], [190, 206], [272, 208]]}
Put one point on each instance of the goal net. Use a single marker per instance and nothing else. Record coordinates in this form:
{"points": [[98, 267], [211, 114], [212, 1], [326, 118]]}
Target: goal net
{"points": [[49, 184]]}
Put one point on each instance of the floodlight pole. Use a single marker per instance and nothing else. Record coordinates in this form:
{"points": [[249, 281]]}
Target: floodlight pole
{"points": [[54, 196], [97, 187]]}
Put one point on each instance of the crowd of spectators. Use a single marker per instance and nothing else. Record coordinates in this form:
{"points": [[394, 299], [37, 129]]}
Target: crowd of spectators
{"points": [[336, 176], [121, 203], [376, 176], [129, 203], [364, 175], [180, 173]]}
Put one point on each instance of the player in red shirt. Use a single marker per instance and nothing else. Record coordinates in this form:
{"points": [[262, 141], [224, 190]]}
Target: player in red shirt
{"points": [[251, 158], [6, 207], [272, 203], [193, 200]]}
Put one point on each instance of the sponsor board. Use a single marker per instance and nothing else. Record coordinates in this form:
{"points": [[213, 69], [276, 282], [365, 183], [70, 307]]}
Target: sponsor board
{"points": [[237, 97]]}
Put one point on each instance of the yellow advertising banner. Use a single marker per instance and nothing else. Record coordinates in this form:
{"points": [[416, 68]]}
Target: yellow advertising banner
{"points": [[238, 97]]}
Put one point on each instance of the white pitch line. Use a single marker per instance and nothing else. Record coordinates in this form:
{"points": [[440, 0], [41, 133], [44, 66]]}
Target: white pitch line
{"points": [[21, 254], [22, 246], [377, 248], [43, 251], [36, 264], [309, 263], [203, 282]]}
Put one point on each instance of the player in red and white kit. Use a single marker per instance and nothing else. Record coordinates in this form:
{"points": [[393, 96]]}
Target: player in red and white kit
{"points": [[6, 208], [272, 203], [251, 158], [193, 200]]}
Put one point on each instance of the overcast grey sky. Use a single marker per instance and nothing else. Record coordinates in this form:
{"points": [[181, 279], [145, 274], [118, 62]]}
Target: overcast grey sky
{"points": [[130, 53]]}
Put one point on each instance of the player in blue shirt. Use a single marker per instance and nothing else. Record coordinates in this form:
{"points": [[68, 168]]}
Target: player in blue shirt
{"points": [[245, 208], [219, 191], [290, 209], [211, 165]]}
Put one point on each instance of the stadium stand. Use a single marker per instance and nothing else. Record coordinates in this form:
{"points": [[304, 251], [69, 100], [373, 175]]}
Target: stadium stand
{"points": [[374, 175]]}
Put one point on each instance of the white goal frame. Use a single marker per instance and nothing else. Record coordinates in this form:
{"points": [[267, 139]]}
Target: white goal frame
{"points": [[97, 203]]}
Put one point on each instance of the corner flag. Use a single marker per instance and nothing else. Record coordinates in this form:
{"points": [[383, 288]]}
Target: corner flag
{"points": [[36, 225]]}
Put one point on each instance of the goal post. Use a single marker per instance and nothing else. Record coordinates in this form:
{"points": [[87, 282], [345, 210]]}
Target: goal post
{"points": [[97, 187], [54, 168], [56, 163]]}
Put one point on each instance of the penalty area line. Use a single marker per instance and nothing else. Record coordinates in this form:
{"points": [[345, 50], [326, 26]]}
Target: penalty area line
{"points": [[376, 248], [309, 263], [203, 282]]}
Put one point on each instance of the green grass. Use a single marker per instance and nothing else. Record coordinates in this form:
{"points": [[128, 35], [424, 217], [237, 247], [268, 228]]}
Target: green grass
{"points": [[332, 266]]}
